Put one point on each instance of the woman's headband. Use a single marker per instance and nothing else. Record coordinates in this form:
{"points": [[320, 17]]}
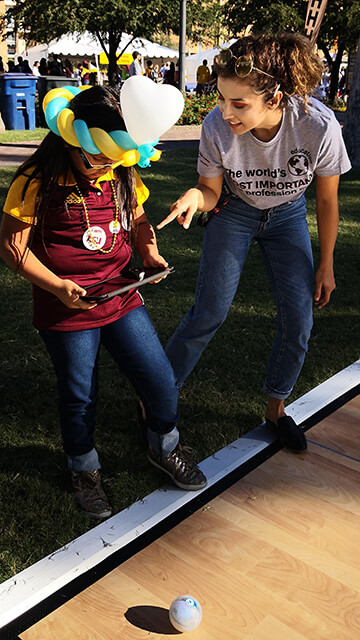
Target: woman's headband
{"points": [[116, 145]]}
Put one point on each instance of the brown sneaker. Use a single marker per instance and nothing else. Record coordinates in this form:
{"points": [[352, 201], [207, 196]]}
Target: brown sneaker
{"points": [[89, 494], [180, 467]]}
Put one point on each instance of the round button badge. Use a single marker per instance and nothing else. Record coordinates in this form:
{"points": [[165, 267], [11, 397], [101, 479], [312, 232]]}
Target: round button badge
{"points": [[94, 238], [114, 226]]}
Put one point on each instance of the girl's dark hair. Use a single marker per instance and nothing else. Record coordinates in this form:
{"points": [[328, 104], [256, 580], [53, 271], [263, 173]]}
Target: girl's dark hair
{"points": [[288, 57], [98, 107]]}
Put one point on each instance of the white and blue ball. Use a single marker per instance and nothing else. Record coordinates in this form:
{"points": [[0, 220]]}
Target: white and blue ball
{"points": [[185, 613]]}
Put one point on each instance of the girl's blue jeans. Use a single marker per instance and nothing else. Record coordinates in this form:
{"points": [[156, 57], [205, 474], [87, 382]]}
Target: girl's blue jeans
{"points": [[133, 343], [283, 238]]}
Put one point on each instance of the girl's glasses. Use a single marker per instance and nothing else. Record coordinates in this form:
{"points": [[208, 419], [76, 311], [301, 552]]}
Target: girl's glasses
{"points": [[243, 64], [88, 165]]}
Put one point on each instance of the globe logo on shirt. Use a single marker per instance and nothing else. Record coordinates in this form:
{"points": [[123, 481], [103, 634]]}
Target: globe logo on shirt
{"points": [[298, 165]]}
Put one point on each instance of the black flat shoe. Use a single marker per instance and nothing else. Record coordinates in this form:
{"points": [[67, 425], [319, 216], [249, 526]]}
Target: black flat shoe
{"points": [[291, 436]]}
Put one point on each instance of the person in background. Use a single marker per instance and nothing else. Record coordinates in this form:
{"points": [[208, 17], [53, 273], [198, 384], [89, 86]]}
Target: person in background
{"points": [[260, 149], [20, 66], [43, 67], [164, 69], [135, 67], [35, 68], [26, 67], [202, 77], [55, 66], [93, 78], [3, 66], [170, 75], [68, 69], [77, 73], [150, 71], [212, 84], [85, 73], [158, 76]]}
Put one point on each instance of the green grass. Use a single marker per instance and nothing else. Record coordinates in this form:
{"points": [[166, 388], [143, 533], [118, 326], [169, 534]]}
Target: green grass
{"points": [[221, 400], [23, 136]]}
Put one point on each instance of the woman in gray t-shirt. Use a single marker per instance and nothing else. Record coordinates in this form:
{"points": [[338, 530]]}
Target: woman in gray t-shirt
{"points": [[259, 150]]}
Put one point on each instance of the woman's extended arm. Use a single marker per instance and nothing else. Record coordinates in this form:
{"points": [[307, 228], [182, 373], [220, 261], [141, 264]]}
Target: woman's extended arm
{"points": [[14, 237], [203, 197], [327, 212], [145, 243]]}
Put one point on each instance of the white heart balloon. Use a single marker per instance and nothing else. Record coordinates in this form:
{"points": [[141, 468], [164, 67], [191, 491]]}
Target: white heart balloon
{"points": [[149, 109]]}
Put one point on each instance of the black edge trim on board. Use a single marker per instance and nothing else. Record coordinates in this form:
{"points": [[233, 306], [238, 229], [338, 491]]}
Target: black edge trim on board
{"points": [[12, 630]]}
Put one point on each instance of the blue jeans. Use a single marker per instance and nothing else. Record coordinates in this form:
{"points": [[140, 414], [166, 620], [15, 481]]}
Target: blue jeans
{"points": [[284, 241], [133, 343]]}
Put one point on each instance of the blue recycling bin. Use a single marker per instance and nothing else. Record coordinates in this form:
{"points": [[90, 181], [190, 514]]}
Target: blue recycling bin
{"points": [[17, 100]]}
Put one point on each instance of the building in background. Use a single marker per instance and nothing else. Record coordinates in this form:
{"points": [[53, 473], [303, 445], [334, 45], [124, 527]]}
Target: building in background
{"points": [[14, 45]]}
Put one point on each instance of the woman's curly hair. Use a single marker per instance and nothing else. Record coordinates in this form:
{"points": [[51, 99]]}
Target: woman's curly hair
{"points": [[288, 57]]}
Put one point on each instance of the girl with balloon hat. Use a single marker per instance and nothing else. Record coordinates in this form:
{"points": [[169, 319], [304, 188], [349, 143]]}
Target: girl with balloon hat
{"points": [[73, 211], [260, 148]]}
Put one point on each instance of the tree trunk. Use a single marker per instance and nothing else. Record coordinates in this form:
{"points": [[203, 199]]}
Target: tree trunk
{"points": [[112, 68], [351, 130]]}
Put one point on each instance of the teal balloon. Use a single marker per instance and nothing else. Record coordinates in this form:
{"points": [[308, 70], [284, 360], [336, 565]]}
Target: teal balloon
{"points": [[123, 140], [84, 138], [146, 150], [73, 90], [52, 111]]}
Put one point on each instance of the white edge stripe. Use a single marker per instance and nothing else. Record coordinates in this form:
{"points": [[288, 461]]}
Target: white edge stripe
{"points": [[39, 581]]}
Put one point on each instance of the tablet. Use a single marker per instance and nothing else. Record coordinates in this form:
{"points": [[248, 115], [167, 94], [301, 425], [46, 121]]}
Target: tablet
{"points": [[116, 285]]}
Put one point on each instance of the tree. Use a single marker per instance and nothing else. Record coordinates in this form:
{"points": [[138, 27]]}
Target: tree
{"points": [[351, 130], [41, 21], [340, 25], [205, 20]]}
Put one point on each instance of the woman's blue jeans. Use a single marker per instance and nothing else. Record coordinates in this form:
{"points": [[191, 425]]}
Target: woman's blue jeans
{"points": [[133, 343], [284, 241]]}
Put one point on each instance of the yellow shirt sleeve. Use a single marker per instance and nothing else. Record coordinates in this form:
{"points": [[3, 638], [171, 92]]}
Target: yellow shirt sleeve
{"points": [[16, 206], [142, 192]]}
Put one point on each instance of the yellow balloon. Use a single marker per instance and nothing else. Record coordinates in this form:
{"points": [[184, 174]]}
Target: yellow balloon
{"points": [[130, 158], [156, 156], [64, 122], [57, 93], [106, 144]]}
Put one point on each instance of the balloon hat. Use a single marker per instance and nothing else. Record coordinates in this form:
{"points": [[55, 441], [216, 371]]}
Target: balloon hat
{"points": [[148, 111]]}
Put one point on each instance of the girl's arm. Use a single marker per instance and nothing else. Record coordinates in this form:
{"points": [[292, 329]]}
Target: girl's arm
{"points": [[327, 212], [14, 237], [203, 197], [145, 243]]}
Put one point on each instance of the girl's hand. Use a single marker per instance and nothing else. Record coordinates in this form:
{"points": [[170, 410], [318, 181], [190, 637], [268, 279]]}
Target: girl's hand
{"points": [[183, 209], [156, 261], [69, 293], [324, 286]]}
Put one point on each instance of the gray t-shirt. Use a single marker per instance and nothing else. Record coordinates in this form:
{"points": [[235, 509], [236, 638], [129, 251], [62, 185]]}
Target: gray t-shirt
{"points": [[267, 174]]}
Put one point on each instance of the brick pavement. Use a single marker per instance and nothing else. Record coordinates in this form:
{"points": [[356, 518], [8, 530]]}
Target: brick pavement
{"points": [[187, 136]]}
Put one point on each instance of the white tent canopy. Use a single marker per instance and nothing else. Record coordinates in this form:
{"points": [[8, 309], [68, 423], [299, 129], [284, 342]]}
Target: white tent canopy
{"points": [[85, 45]]}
